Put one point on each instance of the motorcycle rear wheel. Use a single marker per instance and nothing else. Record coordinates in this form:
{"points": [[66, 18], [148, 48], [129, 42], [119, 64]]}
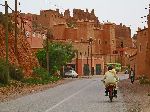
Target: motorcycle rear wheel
{"points": [[111, 95]]}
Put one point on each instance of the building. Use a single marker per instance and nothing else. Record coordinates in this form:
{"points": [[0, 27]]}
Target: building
{"points": [[142, 44], [148, 48], [79, 29]]}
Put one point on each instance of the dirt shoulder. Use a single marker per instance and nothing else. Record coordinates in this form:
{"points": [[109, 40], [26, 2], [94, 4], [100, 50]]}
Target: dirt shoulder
{"points": [[20, 89], [136, 96]]}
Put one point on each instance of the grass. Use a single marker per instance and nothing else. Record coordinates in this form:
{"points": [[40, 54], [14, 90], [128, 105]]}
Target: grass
{"points": [[35, 80], [144, 80], [40, 76], [2, 85]]}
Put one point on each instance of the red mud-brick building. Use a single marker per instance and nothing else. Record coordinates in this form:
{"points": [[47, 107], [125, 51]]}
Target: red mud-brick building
{"points": [[148, 49], [106, 38], [142, 45]]}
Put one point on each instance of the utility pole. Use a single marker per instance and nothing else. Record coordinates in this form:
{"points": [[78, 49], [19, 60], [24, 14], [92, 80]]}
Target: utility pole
{"points": [[15, 42], [87, 69], [47, 54], [6, 37], [91, 60], [77, 61], [47, 50]]}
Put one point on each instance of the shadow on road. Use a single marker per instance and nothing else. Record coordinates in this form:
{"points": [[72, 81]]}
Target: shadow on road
{"points": [[108, 101]]}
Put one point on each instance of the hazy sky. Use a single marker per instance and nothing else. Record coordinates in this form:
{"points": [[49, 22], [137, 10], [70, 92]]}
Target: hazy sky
{"points": [[128, 12]]}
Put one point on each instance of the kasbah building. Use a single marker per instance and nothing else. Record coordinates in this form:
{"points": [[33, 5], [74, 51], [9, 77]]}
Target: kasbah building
{"points": [[96, 43]]}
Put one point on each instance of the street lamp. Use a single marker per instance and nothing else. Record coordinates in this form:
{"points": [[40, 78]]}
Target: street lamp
{"points": [[77, 60], [88, 56], [87, 67], [90, 43]]}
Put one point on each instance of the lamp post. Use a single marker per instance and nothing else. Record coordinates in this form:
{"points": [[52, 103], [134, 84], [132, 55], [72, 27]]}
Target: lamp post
{"points": [[87, 67], [88, 56], [77, 61], [90, 43]]}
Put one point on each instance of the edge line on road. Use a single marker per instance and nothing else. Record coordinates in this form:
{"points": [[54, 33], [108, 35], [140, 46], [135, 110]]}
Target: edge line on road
{"points": [[48, 110]]}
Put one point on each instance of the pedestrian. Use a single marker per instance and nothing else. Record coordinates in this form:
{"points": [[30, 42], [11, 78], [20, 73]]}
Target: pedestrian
{"points": [[132, 75]]}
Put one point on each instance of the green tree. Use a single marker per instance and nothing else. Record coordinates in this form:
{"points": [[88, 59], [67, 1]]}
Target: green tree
{"points": [[59, 54]]}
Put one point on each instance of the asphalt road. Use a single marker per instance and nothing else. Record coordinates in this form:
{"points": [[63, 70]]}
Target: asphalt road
{"points": [[81, 95]]}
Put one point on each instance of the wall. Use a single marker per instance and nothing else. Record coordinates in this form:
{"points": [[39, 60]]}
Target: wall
{"points": [[148, 49], [142, 38], [59, 31]]}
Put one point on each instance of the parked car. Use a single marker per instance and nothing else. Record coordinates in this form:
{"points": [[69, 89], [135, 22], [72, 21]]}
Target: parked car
{"points": [[71, 73]]}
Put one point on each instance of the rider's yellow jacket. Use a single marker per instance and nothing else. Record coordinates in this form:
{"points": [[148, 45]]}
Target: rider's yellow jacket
{"points": [[110, 78]]}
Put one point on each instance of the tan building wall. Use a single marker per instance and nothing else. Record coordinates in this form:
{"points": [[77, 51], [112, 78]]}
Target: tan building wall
{"points": [[148, 49], [142, 42], [79, 14], [71, 34], [59, 31], [109, 38], [99, 43], [49, 18], [123, 33]]}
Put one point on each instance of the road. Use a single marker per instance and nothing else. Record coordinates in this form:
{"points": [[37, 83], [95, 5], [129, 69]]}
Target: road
{"points": [[81, 95]]}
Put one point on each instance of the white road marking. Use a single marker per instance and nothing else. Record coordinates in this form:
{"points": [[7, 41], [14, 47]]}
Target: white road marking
{"points": [[53, 107]]}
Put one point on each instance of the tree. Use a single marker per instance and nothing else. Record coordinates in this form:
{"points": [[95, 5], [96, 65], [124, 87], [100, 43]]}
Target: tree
{"points": [[59, 54]]}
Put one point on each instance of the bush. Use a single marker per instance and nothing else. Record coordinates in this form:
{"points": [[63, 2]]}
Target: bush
{"points": [[16, 76], [144, 80], [41, 76], [41, 73], [4, 77]]}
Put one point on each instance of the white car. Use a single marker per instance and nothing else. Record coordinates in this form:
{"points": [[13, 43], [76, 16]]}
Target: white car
{"points": [[71, 73]]}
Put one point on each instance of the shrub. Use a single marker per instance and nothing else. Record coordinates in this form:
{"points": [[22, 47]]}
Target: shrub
{"points": [[144, 80], [4, 77], [41, 73], [41, 76], [16, 76]]}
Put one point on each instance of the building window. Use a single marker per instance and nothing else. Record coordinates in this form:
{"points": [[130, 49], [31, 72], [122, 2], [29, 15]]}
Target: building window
{"points": [[121, 45], [147, 45], [99, 41], [140, 48], [112, 41]]}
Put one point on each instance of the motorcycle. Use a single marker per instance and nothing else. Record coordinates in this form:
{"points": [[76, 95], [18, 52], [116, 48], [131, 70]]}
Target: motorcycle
{"points": [[111, 91]]}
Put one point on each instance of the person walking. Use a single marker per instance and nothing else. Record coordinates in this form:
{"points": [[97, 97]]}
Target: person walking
{"points": [[132, 75]]}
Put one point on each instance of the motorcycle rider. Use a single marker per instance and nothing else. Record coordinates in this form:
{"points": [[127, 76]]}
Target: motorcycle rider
{"points": [[110, 77]]}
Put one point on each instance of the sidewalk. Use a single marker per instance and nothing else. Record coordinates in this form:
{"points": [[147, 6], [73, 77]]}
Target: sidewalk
{"points": [[91, 76], [136, 96]]}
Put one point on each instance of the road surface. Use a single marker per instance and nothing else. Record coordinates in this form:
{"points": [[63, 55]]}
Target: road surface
{"points": [[81, 95]]}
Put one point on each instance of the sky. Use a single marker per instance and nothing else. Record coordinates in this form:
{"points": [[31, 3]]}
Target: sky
{"points": [[128, 12]]}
